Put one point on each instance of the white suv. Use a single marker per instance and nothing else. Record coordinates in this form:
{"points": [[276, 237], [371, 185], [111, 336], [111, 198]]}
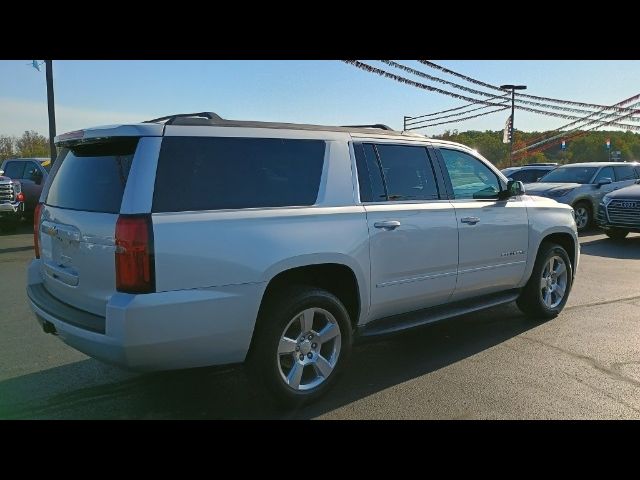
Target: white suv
{"points": [[191, 240]]}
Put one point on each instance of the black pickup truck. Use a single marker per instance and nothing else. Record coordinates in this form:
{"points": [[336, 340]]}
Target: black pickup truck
{"points": [[619, 212]]}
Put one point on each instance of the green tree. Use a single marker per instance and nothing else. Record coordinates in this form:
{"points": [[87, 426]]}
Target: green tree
{"points": [[32, 144], [7, 146]]}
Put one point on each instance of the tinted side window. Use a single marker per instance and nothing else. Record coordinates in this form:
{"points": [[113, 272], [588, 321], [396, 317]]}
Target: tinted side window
{"points": [[638, 172], [212, 173], [92, 176], [369, 174], [538, 174], [30, 170], [14, 170], [520, 176], [408, 173], [624, 172], [606, 172], [470, 178]]}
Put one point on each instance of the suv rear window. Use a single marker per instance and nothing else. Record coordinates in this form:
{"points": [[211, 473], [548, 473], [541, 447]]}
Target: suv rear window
{"points": [[92, 177], [213, 173]]}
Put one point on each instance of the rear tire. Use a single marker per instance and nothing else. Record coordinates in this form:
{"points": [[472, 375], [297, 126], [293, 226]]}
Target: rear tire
{"points": [[584, 216], [301, 343], [616, 233], [546, 293]]}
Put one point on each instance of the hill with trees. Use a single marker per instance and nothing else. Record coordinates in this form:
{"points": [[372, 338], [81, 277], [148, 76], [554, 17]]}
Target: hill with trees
{"points": [[590, 147]]}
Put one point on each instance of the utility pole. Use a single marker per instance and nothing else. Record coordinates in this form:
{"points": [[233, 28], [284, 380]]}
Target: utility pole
{"points": [[513, 89], [51, 109]]}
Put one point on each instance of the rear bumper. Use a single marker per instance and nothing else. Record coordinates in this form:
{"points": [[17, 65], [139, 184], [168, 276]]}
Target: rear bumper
{"points": [[157, 331]]}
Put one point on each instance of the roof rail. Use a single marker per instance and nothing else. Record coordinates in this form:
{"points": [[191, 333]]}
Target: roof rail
{"points": [[172, 118], [540, 164], [213, 119], [376, 125]]}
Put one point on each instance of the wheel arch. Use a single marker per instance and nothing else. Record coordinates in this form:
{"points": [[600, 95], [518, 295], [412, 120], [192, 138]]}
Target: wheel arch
{"points": [[565, 237], [336, 273]]}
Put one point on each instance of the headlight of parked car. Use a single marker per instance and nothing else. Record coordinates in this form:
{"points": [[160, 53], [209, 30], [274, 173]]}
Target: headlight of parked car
{"points": [[558, 193], [605, 199]]}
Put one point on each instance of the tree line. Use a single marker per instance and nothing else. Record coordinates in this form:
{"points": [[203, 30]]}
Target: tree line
{"points": [[29, 144], [590, 147]]}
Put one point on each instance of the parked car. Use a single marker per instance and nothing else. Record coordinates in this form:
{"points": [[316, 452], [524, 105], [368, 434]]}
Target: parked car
{"points": [[619, 212], [582, 185], [191, 240], [31, 173], [529, 173], [11, 202]]}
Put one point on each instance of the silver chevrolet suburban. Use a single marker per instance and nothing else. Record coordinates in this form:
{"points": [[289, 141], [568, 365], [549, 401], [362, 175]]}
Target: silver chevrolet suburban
{"points": [[191, 240]]}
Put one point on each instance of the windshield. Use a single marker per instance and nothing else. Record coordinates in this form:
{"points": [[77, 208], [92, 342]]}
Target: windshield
{"points": [[570, 175]]}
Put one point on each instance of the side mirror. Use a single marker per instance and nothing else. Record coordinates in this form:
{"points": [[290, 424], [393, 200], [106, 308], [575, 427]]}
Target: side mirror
{"points": [[514, 188], [1, 173], [637, 181], [604, 181]]}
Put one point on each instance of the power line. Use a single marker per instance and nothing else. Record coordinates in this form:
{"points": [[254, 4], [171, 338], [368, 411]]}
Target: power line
{"points": [[446, 116], [459, 119], [525, 95], [591, 122], [623, 102], [406, 81], [419, 73], [398, 78], [546, 144], [453, 109]]}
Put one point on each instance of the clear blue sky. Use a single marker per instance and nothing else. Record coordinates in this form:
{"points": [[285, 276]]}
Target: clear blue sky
{"points": [[328, 92]]}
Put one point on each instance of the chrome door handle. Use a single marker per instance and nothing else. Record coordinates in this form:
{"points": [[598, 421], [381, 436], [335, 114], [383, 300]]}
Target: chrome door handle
{"points": [[470, 220], [387, 224]]}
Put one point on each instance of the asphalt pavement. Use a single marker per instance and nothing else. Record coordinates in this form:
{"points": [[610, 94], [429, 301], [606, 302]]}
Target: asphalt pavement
{"points": [[490, 365]]}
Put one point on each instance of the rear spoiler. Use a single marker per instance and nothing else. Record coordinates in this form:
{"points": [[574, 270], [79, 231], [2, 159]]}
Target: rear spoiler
{"points": [[94, 133]]}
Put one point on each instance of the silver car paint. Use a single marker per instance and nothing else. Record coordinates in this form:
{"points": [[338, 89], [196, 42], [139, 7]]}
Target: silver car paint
{"points": [[75, 242], [578, 192], [410, 269], [493, 251], [105, 131], [212, 267], [168, 330]]}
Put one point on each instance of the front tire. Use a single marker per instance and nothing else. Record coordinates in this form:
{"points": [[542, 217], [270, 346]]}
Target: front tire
{"points": [[546, 293], [301, 343], [616, 233]]}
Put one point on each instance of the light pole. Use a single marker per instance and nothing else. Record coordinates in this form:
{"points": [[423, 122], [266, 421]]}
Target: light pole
{"points": [[513, 89], [51, 109]]}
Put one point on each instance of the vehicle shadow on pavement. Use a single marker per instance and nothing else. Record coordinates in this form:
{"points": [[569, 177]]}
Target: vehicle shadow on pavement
{"points": [[90, 389], [23, 227], [629, 248]]}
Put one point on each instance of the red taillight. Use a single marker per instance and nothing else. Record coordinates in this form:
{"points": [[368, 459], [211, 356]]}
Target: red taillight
{"points": [[20, 197], [36, 228], [135, 269]]}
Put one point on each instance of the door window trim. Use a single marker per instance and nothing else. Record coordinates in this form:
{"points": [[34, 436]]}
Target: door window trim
{"points": [[449, 185], [431, 161]]}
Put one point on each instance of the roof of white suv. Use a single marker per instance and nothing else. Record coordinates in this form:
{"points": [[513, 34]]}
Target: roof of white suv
{"points": [[156, 126]]}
